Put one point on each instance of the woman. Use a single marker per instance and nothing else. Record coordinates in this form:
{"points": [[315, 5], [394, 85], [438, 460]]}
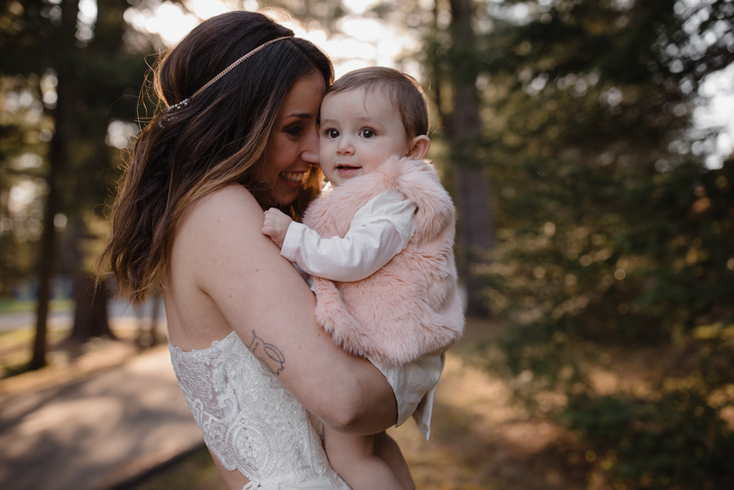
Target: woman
{"points": [[240, 136]]}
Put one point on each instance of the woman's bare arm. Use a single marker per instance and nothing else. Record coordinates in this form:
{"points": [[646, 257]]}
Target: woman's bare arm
{"points": [[270, 307]]}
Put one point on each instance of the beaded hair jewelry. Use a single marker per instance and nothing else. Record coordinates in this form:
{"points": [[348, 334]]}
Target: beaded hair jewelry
{"points": [[186, 101]]}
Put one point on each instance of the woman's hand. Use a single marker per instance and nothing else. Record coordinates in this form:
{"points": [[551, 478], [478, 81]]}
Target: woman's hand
{"points": [[276, 225]]}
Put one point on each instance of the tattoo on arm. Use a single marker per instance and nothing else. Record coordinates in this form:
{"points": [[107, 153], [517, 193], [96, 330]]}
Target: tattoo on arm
{"points": [[268, 354]]}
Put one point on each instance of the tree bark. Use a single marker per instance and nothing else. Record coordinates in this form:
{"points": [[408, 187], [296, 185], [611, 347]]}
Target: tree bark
{"points": [[48, 242], [90, 316], [57, 160], [474, 200], [148, 328]]}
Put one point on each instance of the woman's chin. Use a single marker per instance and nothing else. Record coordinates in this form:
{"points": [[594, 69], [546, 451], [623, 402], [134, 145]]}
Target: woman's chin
{"points": [[286, 198]]}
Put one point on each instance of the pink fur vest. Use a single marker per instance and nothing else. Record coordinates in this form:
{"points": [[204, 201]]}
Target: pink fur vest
{"points": [[411, 306]]}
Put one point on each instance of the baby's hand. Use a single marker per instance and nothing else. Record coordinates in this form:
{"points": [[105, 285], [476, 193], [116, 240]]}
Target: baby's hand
{"points": [[276, 225]]}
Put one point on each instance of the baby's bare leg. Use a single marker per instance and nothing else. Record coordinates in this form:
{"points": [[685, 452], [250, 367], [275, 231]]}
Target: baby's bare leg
{"points": [[353, 457], [388, 450]]}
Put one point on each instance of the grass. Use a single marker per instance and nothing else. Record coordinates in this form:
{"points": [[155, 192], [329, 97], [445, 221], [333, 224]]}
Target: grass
{"points": [[12, 305]]}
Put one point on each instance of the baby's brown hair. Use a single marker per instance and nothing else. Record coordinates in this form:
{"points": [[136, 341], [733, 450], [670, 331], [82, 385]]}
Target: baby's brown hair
{"points": [[404, 92]]}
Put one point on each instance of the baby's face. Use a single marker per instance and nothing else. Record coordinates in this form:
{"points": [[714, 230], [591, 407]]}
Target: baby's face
{"points": [[359, 130]]}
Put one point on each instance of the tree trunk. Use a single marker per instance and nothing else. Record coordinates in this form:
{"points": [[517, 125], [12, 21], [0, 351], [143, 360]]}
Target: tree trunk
{"points": [[90, 316], [57, 160], [48, 241], [476, 234], [148, 329], [474, 200]]}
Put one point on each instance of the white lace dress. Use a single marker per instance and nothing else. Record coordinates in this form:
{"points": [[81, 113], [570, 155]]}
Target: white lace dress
{"points": [[250, 421]]}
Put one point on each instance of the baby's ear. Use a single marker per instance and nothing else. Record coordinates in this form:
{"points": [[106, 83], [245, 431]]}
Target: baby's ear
{"points": [[418, 147]]}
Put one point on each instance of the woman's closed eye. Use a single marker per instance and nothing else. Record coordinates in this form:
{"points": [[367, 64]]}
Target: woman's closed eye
{"points": [[294, 130]]}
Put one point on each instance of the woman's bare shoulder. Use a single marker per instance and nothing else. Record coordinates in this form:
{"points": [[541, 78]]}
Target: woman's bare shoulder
{"points": [[233, 200], [205, 249], [224, 224]]}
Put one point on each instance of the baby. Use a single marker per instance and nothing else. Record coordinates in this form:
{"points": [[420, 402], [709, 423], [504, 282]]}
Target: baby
{"points": [[378, 243]]}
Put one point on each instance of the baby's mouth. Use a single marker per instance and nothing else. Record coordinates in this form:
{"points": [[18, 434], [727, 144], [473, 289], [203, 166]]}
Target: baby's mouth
{"points": [[294, 177]]}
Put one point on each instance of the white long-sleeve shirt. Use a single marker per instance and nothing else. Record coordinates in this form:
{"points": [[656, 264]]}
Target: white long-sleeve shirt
{"points": [[378, 232]]}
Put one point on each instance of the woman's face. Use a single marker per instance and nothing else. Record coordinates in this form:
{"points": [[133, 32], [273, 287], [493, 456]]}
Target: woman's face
{"points": [[293, 144]]}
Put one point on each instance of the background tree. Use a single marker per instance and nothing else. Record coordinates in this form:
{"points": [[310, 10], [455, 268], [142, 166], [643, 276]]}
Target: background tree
{"points": [[613, 235], [21, 127], [463, 128], [81, 77]]}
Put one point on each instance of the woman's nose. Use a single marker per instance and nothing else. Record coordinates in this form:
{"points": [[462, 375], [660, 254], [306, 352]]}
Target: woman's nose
{"points": [[310, 149], [311, 157]]}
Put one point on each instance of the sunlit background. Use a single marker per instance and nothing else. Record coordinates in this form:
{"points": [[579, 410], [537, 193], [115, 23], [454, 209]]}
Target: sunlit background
{"points": [[362, 41], [369, 41], [603, 219], [359, 41]]}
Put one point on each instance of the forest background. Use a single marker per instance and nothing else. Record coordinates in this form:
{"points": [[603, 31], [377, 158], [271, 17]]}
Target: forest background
{"points": [[595, 208]]}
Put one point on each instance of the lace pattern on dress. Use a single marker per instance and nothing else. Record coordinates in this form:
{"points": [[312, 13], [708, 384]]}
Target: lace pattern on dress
{"points": [[249, 420]]}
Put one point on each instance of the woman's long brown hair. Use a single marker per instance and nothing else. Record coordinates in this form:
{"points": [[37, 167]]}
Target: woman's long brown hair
{"points": [[213, 141]]}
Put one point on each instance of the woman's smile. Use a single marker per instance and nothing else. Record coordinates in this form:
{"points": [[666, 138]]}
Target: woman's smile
{"points": [[293, 144], [293, 177]]}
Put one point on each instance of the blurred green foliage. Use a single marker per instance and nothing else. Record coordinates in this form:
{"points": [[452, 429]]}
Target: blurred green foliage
{"points": [[614, 237], [615, 241], [77, 96]]}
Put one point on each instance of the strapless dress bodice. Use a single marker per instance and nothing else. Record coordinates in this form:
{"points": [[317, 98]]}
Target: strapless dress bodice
{"points": [[250, 421]]}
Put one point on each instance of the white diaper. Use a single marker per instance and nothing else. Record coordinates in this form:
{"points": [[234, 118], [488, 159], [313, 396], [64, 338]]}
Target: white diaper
{"points": [[414, 385]]}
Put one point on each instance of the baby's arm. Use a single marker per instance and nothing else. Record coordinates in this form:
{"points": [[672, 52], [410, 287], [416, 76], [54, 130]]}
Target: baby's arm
{"points": [[378, 231], [361, 252], [356, 256]]}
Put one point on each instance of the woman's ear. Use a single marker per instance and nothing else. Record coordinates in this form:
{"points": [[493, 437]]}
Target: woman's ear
{"points": [[418, 147]]}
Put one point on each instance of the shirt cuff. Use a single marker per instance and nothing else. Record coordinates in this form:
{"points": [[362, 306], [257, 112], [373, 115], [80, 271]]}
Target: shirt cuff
{"points": [[292, 240]]}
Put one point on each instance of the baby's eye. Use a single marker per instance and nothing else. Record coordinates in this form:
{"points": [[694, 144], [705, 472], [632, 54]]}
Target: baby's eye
{"points": [[331, 133], [367, 133]]}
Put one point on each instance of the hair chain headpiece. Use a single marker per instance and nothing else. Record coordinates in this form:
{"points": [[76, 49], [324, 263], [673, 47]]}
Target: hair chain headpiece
{"points": [[231, 67]]}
